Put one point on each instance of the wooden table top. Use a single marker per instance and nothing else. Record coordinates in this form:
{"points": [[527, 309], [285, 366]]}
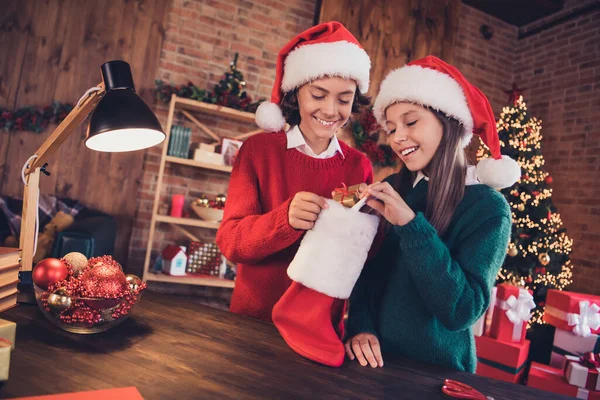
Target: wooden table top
{"points": [[173, 347]]}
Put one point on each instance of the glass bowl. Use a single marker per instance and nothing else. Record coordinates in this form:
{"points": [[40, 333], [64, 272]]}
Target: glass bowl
{"points": [[106, 308]]}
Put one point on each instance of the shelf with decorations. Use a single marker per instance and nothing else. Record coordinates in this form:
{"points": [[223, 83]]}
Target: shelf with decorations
{"points": [[212, 163]]}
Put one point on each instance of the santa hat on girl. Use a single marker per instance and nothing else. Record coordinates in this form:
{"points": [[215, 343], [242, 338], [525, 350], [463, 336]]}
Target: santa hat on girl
{"points": [[327, 49], [431, 82]]}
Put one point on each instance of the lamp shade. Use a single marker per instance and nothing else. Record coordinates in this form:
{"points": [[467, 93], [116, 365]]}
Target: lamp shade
{"points": [[122, 121]]}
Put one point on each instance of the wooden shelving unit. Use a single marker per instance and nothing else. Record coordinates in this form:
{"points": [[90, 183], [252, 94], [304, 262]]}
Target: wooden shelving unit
{"points": [[185, 106]]}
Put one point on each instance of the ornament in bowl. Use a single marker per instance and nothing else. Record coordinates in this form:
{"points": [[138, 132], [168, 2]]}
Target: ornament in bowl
{"points": [[85, 296], [209, 210]]}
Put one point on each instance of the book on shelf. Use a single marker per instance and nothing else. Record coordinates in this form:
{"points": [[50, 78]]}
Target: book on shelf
{"points": [[179, 142]]}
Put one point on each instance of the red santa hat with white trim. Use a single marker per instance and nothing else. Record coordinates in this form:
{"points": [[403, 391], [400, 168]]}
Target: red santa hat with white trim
{"points": [[432, 82], [327, 49]]}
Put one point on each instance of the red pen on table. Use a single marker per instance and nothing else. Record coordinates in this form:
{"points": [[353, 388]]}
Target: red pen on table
{"points": [[459, 390]]}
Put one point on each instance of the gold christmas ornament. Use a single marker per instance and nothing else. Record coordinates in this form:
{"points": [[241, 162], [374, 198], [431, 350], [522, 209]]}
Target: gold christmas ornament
{"points": [[521, 207], [202, 201], [134, 281], [59, 300], [544, 259], [78, 261], [221, 199], [512, 251]]}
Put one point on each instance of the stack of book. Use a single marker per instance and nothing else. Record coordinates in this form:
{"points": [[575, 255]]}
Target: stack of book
{"points": [[9, 276], [179, 142]]}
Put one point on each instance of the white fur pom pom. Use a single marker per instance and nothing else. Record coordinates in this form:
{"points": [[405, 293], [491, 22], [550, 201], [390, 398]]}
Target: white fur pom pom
{"points": [[269, 117], [498, 174]]}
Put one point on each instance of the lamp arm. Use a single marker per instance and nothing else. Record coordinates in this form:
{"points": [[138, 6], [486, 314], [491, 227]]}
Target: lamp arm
{"points": [[77, 115], [32, 172]]}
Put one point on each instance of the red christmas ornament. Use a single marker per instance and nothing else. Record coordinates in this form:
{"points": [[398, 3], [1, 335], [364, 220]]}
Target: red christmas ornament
{"points": [[106, 281], [49, 271], [524, 236], [548, 179], [535, 193], [525, 177], [528, 280], [549, 216]]}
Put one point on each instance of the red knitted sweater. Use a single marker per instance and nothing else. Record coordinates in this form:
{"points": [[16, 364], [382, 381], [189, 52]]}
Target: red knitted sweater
{"points": [[255, 232]]}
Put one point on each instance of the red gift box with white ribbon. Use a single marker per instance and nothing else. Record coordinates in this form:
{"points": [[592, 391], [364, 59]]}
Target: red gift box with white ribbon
{"points": [[575, 312], [511, 313], [583, 371]]}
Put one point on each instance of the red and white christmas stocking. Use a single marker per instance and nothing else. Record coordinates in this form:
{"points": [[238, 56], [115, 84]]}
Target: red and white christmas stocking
{"points": [[309, 316]]}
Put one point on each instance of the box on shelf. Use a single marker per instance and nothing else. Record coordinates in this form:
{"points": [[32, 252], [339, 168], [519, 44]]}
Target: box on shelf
{"points": [[208, 157]]}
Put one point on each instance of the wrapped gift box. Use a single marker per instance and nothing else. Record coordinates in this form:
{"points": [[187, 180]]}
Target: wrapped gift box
{"points": [[583, 371], [551, 379], [568, 344], [8, 330], [511, 313], [5, 349], [501, 360], [483, 324], [204, 258], [576, 312]]}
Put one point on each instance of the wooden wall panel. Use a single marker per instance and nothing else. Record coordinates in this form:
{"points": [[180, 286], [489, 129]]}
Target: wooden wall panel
{"points": [[396, 32], [58, 48]]}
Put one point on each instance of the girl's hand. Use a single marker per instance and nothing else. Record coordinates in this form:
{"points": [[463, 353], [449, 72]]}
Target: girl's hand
{"points": [[365, 346], [388, 203], [304, 210]]}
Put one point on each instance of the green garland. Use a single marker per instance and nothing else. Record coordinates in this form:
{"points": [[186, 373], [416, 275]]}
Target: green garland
{"points": [[229, 92], [32, 119]]}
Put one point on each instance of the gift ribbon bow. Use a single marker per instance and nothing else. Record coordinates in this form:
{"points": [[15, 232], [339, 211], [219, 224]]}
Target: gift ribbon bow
{"points": [[343, 191], [586, 321], [518, 311], [590, 360]]}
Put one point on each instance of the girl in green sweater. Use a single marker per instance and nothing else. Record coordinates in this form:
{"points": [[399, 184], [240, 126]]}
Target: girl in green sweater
{"points": [[445, 228]]}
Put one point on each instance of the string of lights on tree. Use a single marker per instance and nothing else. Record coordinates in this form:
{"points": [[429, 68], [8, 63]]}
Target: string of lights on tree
{"points": [[538, 253]]}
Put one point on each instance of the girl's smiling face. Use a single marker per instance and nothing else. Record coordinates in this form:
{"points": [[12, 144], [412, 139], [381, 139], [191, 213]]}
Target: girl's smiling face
{"points": [[325, 105], [415, 134]]}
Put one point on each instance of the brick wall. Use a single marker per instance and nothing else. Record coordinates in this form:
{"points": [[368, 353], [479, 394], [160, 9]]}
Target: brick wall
{"points": [[560, 66], [201, 38]]}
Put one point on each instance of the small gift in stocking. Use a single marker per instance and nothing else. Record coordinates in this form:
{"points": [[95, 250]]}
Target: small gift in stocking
{"points": [[309, 316]]}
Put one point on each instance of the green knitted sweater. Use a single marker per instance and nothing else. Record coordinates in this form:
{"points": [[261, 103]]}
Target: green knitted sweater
{"points": [[421, 293]]}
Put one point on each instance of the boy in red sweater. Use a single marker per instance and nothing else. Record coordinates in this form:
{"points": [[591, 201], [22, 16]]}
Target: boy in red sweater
{"points": [[280, 179]]}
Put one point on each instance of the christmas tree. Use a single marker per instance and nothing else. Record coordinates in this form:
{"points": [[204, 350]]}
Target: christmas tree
{"points": [[538, 253]]}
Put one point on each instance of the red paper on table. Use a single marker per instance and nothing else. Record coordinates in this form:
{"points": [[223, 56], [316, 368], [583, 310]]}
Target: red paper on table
{"points": [[545, 377], [501, 360], [127, 393], [575, 312], [511, 313]]}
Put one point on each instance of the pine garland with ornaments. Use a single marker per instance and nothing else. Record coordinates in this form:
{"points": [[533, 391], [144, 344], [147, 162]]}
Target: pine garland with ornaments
{"points": [[33, 119], [538, 253], [229, 92]]}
